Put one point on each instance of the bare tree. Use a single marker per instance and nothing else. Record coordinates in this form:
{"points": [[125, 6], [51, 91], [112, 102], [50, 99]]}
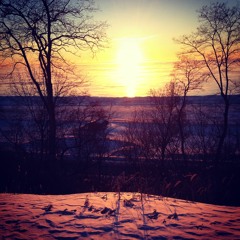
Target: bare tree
{"points": [[34, 114], [204, 130], [152, 134], [164, 119], [217, 43], [188, 76], [37, 34]]}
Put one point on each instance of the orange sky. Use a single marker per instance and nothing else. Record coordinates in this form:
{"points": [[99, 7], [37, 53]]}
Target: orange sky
{"points": [[141, 47]]}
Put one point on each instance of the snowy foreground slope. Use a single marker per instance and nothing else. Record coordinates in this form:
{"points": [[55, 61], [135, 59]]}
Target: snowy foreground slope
{"points": [[104, 216]]}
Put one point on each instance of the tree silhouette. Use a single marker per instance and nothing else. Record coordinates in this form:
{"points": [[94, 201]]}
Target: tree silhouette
{"points": [[152, 134], [187, 75], [37, 35], [216, 43]]}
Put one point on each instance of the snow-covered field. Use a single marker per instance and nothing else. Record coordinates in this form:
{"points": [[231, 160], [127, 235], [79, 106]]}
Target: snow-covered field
{"points": [[113, 216]]}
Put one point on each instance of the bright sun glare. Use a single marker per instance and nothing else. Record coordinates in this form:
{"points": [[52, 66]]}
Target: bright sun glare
{"points": [[129, 57]]}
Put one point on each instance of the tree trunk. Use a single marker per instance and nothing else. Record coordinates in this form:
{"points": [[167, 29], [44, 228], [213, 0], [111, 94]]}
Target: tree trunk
{"points": [[224, 130], [51, 166], [52, 135], [52, 122]]}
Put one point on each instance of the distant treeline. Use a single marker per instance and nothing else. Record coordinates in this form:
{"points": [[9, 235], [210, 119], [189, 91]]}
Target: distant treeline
{"points": [[206, 99]]}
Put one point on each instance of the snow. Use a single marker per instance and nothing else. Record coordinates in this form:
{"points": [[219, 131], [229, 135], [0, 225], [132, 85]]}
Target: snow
{"points": [[114, 216]]}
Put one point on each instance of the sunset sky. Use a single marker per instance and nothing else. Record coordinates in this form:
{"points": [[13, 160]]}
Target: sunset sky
{"points": [[141, 47], [140, 52]]}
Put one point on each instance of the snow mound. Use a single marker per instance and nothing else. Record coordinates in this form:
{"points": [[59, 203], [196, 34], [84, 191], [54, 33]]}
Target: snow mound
{"points": [[114, 216]]}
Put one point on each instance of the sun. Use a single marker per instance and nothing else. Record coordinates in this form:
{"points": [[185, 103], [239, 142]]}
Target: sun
{"points": [[128, 61], [129, 52]]}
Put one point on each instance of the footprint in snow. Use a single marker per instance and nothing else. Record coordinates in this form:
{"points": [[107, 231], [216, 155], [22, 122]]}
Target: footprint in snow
{"points": [[48, 208], [153, 215]]}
